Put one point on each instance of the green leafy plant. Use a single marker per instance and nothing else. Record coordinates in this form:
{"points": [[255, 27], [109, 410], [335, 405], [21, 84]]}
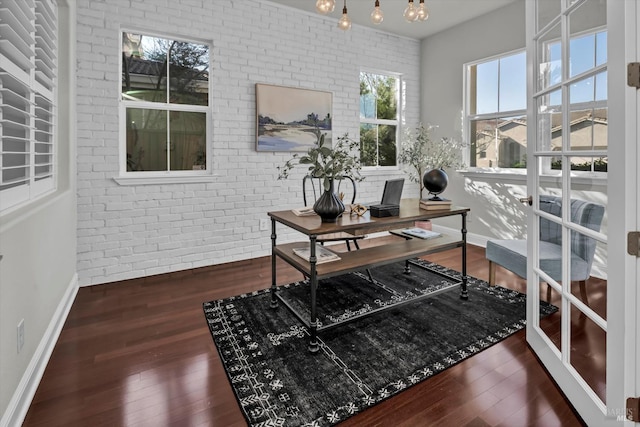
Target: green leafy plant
{"points": [[326, 162], [420, 153], [599, 165]]}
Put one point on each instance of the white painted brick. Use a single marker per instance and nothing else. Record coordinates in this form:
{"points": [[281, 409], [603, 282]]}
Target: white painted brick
{"points": [[119, 268], [118, 222], [117, 252], [133, 231], [123, 238]]}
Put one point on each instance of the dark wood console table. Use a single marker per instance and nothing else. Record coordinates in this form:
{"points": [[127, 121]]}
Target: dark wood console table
{"points": [[363, 258]]}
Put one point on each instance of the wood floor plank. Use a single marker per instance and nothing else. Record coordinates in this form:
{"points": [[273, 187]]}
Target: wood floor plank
{"points": [[138, 353]]}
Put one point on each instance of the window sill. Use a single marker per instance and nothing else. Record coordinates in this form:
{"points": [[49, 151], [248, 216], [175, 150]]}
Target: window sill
{"points": [[379, 170], [585, 178], [516, 175], [169, 179]]}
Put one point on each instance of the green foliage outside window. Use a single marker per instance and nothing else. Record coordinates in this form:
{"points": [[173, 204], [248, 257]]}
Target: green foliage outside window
{"points": [[378, 119], [598, 165]]}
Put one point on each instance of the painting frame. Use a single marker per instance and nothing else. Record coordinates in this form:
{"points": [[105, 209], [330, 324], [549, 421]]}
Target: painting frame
{"points": [[288, 119]]}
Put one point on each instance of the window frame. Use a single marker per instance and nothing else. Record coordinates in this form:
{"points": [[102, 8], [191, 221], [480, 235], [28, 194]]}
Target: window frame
{"points": [[374, 121], [127, 177], [36, 77], [469, 118]]}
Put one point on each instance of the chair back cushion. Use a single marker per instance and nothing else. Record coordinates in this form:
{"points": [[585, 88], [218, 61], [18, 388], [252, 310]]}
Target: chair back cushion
{"points": [[549, 230], [587, 214]]}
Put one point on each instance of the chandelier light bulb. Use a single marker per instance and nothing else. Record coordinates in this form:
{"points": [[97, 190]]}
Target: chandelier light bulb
{"points": [[377, 16], [325, 6], [331, 5], [321, 6], [345, 22], [411, 13], [423, 12]]}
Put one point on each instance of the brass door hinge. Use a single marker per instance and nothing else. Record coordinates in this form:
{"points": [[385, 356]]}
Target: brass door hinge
{"points": [[633, 409], [633, 74], [633, 243]]}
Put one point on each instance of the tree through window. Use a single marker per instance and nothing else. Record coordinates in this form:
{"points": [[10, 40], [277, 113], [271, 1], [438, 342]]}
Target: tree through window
{"points": [[379, 100]]}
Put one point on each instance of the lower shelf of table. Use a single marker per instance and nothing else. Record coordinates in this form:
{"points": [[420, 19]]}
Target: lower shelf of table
{"points": [[366, 257], [305, 321]]}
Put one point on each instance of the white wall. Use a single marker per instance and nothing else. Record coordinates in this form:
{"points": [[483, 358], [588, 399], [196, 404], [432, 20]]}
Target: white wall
{"points": [[133, 231], [37, 272], [443, 57]]}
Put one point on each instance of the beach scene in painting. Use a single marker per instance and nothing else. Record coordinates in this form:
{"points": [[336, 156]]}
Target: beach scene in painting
{"points": [[288, 119]]}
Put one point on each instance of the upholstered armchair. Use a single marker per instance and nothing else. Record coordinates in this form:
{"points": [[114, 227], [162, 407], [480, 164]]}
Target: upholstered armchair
{"points": [[512, 254]]}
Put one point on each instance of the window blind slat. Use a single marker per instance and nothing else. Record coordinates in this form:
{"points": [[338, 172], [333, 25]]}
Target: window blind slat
{"points": [[13, 14], [11, 124], [45, 44], [13, 182], [43, 78], [18, 40], [45, 61], [44, 28], [22, 166], [16, 56]]}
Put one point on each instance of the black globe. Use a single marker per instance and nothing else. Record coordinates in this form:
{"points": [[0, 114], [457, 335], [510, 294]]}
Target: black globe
{"points": [[435, 181]]}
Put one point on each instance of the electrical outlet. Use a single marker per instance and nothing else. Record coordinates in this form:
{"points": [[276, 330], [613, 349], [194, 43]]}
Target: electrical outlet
{"points": [[264, 224], [469, 219], [20, 335]]}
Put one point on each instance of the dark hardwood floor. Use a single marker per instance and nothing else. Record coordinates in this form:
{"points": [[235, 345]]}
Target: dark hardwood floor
{"points": [[139, 353]]}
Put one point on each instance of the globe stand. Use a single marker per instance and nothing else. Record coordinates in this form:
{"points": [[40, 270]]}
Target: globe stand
{"points": [[435, 181]]}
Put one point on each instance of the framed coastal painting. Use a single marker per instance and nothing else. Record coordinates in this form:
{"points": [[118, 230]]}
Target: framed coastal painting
{"points": [[289, 118]]}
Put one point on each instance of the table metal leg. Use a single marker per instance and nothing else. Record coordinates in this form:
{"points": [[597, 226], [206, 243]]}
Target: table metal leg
{"points": [[274, 300], [313, 341], [463, 286], [407, 267]]}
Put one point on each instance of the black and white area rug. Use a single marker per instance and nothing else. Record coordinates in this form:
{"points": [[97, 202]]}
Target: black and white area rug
{"points": [[278, 382]]}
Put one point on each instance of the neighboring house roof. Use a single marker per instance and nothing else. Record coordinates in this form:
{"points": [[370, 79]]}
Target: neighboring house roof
{"points": [[144, 66], [148, 67]]}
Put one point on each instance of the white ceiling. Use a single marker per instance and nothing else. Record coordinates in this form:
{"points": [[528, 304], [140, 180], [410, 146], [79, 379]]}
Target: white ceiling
{"points": [[442, 13]]}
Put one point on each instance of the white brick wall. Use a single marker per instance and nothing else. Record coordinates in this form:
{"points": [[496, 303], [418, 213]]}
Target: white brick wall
{"points": [[133, 231]]}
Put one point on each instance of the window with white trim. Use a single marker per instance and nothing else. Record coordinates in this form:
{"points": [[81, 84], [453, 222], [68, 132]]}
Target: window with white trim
{"points": [[379, 118], [495, 105], [496, 111], [28, 78], [164, 106]]}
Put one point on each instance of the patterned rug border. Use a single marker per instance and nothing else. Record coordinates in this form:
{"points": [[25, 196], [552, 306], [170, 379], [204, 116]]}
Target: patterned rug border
{"points": [[391, 389]]}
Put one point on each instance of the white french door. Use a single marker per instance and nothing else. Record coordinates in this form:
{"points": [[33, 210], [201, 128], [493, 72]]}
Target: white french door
{"points": [[582, 145]]}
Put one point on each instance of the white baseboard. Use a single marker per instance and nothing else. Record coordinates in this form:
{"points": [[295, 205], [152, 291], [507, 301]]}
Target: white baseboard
{"points": [[23, 395], [472, 239]]}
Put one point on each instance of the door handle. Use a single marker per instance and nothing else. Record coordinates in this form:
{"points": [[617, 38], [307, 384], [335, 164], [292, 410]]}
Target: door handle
{"points": [[528, 200]]}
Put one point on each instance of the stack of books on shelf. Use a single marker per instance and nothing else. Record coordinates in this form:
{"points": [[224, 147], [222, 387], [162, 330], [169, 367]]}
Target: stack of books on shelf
{"points": [[322, 254], [431, 205], [421, 233]]}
